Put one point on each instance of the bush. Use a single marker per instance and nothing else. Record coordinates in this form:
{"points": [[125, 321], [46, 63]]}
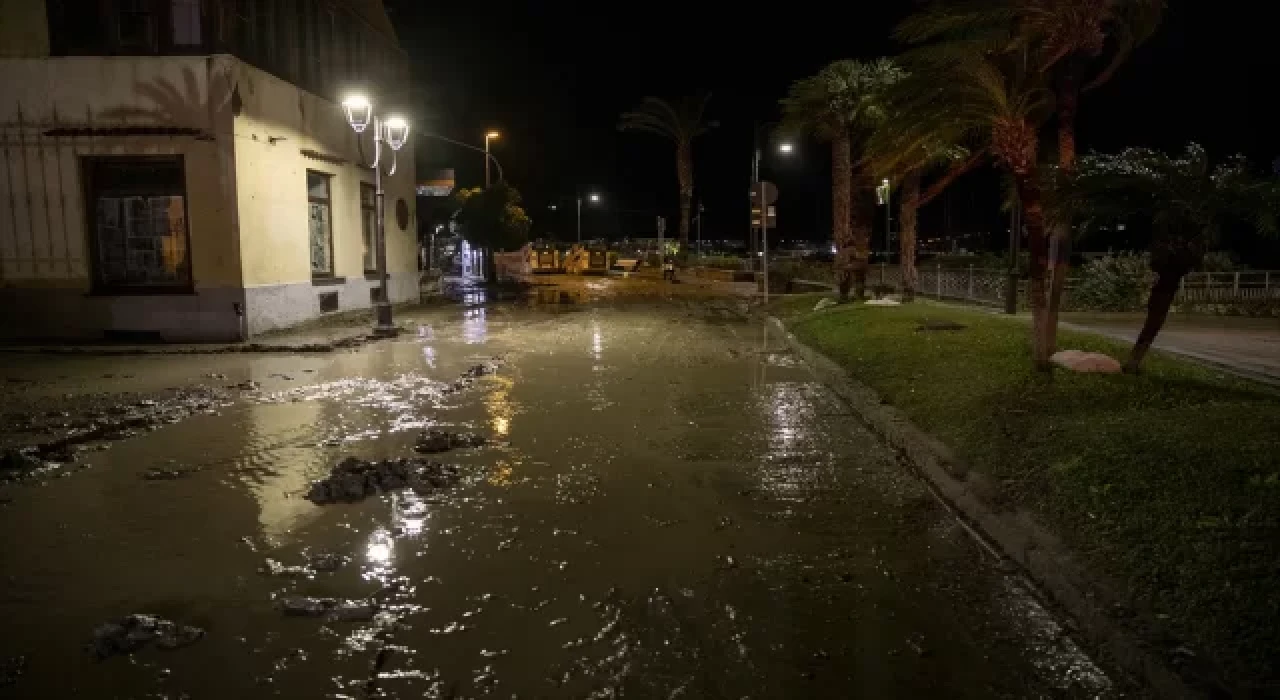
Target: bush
{"points": [[1114, 283]]}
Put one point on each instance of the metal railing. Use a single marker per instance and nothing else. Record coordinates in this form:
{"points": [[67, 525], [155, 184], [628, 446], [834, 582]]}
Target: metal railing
{"points": [[989, 285]]}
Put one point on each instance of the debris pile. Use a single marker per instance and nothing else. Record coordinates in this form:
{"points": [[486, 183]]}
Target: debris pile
{"points": [[435, 441], [355, 479], [128, 634], [328, 608]]}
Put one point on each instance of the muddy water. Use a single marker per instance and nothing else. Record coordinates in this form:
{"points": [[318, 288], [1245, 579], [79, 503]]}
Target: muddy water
{"points": [[674, 509]]}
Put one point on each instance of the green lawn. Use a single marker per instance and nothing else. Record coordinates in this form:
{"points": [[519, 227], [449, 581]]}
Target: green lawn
{"points": [[1168, 481]]}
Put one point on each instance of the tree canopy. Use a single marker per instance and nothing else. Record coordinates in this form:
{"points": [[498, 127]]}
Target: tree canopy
{"points": [[492, 218]]}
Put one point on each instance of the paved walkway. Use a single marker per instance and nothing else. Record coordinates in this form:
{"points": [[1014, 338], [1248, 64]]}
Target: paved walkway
{"points": [[1246, 346]]}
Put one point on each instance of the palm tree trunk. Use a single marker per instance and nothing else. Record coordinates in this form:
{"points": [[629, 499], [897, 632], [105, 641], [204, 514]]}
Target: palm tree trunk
{"points": [[1038, 244], [1163, 293], [684, 172], [862, 217], [1067, 104], [841, 191], [910, 206]]}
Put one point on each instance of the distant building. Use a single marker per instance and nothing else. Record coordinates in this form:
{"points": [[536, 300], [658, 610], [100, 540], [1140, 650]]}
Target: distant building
{"points": [[181, 169]]}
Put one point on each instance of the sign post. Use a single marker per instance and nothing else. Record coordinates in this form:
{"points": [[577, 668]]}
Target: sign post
{"points": [[765, 193]]}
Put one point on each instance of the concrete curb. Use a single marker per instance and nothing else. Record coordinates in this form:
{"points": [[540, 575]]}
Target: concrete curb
{"points": [[1012, 532], [351, 341]]}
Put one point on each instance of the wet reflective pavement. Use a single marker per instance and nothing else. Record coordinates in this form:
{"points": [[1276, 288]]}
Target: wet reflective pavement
{"points": [[670, 507]]}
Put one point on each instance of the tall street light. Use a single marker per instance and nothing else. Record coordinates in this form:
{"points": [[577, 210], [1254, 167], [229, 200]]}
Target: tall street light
{"points": [[785, 148], [394, 132], [491, 135], [594, 197]]}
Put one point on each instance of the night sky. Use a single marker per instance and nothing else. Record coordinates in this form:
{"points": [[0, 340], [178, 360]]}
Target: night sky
{"points": [[553, 77]]}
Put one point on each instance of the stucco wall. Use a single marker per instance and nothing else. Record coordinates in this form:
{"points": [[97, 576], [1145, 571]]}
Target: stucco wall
{"points": [[24, 28], [56, 111], [278, 122]]}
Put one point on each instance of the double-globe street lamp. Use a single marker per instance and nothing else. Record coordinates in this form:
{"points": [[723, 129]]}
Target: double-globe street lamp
{"points": [[394, 131]]}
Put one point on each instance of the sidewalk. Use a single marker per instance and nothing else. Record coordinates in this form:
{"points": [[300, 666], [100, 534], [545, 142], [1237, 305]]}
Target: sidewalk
{"points": [[321, 335], [1249, 347]]}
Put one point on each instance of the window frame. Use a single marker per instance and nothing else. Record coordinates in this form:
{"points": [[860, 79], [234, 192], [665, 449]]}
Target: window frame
{"points": [[98, 286], [328, 202]]}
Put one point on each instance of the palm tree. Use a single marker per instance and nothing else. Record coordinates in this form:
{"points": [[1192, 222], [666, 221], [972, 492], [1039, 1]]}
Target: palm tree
{"points": [[1076, 45], [841, 104], [1182, 200], [681, 123], [896, 148], [986, 101]]}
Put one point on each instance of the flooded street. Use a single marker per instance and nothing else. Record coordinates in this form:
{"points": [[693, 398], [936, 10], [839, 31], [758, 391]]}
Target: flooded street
{"points": [[668, 505]]}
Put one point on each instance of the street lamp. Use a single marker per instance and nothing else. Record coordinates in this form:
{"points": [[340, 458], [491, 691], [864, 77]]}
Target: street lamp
{"points": [[785, 148], [492, 135], [593, 197], [883, 194], [394, 131]]}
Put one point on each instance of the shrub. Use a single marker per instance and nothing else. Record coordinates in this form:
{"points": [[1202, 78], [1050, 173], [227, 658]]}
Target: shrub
{"points": [[1114, 283]]}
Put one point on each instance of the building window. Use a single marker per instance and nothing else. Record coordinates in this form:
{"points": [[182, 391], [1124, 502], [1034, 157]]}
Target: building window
{"points": [[185, 15], [136, 27], [369, 224], [138, 223], [320, 223]]}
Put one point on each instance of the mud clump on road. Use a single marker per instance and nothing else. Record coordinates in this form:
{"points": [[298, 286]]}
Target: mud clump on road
{"points": [[355, 479], [11, 669], [164, 474], [18, 464], [436, 441], [324, 562], [328, 608], [128, 634], [474, 372], [97, 420]]}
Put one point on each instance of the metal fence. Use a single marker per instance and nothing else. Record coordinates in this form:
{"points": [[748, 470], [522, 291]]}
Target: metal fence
{"points": [[988, 285]]}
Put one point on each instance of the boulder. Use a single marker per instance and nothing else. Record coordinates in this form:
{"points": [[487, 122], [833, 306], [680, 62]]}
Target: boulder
{"points": [[885, 301], [823, 303], [1080, 361]]}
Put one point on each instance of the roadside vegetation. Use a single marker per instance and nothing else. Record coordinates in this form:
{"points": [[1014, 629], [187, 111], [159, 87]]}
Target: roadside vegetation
{"points": [[1168, 481]]}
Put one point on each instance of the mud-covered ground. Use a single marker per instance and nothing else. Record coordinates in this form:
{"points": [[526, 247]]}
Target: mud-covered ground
{"points": [[623, 498]]}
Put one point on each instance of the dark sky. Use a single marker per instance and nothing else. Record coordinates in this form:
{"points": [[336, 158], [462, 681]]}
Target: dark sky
{"points": [[553, 77]]}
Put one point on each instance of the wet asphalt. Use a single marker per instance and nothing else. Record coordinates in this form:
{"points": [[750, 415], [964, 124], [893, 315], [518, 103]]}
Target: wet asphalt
{"points": [[670, 507]]}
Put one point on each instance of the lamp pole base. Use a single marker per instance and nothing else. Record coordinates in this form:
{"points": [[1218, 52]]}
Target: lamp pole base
{"points": [[382, 325]]}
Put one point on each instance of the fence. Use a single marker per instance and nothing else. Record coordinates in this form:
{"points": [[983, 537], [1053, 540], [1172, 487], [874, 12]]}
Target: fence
{"points": [[988, 286]]}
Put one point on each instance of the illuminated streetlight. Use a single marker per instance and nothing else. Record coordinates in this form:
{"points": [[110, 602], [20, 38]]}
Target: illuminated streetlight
{"points": [[785, 147], [595, 196], [394, 132], [489, 136]]}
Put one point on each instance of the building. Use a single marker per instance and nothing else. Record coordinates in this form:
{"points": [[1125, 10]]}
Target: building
{"points": [[181, 170]]}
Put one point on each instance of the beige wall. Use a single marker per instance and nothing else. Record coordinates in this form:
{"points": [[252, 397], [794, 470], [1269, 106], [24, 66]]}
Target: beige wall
{"points": [[276, 123], [24, 28], [44, 239]]}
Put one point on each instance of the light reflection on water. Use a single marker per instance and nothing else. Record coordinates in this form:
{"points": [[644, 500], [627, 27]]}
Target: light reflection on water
{"points": [[475, 327]]}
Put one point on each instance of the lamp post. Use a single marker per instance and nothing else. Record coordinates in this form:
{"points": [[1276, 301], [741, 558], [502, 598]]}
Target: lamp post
{"points": [[594, 197], [785, 148], [491, 135], [884, 194], [393, 131]]}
